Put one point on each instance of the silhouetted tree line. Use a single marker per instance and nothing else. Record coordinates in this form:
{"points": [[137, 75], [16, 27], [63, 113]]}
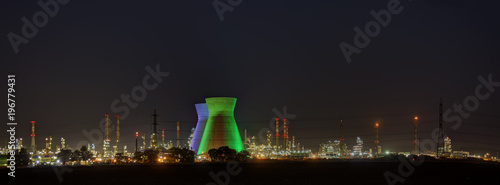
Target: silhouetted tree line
{"points": [[224, 153], [180, 155], [120, 158], [171, 155], [22, 157], [147, 156], [78, 155]]}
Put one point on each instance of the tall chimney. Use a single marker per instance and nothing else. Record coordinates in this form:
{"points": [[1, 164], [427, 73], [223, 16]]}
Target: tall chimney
{"points": [[33, 146]]}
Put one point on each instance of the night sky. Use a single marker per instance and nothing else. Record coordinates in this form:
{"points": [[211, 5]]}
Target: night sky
{"points": [[268, 54]]}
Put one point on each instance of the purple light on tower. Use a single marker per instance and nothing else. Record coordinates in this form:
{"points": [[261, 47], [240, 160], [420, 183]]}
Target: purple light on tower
{"points": [[202, 111]]}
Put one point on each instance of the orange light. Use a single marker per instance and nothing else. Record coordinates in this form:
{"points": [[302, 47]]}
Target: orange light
{"points": [[416, 118], [376, 125]]}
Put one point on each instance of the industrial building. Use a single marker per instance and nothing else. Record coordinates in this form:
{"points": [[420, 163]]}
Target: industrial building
{"points": [[329, 150], [202, 111], [221, 128], [216, 127], [358, 148]]}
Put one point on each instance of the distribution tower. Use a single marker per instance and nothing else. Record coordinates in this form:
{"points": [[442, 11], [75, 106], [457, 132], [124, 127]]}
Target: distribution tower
{"points": [[221, 128], [202, 111]]}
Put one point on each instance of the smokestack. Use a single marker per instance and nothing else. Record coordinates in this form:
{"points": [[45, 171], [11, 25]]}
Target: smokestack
{"points": [[277, 133], [117, 132], [163, 138], [415, 136], [33, 146], [46, 145], [343, 147], [107, 126], [440, 142], [136, 137], [154, 139], [50, 144], [178, 137], [285, 134], [376, 138]]}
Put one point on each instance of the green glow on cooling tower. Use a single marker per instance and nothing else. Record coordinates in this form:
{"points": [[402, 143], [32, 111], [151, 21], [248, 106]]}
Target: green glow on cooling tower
{"points": [[221, 128]]}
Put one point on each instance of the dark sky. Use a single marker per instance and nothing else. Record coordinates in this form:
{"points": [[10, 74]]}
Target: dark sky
{"points": [[268, 54]]}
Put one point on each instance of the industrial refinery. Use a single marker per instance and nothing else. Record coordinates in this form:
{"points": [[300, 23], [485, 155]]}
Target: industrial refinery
{"points": [[217, 127]]}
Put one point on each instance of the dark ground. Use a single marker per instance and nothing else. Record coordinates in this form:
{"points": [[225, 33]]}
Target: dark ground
{"points": [[329, 172]]}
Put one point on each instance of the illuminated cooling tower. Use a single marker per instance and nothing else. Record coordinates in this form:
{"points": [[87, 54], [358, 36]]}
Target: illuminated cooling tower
{"points": [[202, 111], [221, 128]]}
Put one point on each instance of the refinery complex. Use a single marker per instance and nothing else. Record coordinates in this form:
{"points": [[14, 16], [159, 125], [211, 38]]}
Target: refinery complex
{"points": [[216, 127]]}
